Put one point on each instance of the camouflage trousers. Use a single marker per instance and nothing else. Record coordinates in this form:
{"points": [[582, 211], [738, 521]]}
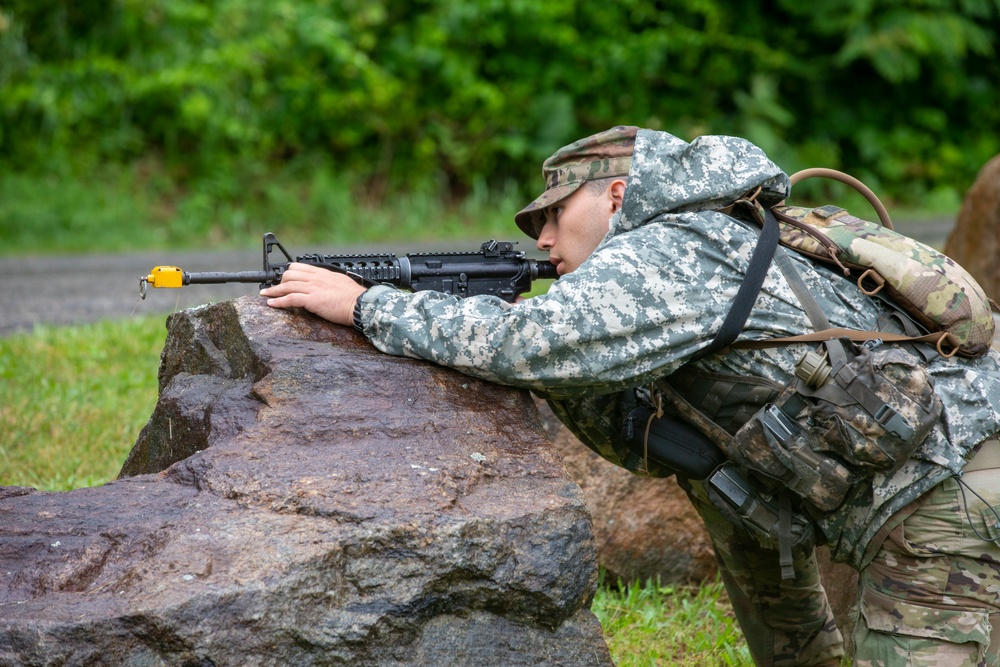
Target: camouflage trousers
{"points": [[931, 596], [786, 623]]}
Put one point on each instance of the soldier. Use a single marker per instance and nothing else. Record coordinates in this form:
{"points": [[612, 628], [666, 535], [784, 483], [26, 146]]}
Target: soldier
{"points": [[649, 266]]}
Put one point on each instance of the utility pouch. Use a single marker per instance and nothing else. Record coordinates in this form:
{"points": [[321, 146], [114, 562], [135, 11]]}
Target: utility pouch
{"points": [[783, 455], [875, 408], [671, 444], [770, 520], [853, 411]]}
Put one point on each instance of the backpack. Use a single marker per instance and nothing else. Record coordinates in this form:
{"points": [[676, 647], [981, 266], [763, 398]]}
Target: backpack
{"points": [[934, 290]]}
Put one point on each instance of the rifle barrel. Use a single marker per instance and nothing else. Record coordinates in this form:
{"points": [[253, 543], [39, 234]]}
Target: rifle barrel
{"points": [[215, 277]]}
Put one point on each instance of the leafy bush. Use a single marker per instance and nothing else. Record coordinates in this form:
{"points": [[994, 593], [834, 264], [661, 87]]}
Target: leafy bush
{"points": [[457, 92]]}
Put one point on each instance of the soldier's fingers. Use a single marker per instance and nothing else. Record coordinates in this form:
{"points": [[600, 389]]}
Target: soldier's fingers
{"points": [[281, 289], [315, 277], [292, 300]]}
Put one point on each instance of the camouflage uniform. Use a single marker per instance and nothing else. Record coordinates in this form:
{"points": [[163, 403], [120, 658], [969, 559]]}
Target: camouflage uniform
{"points": [[644, 303]]}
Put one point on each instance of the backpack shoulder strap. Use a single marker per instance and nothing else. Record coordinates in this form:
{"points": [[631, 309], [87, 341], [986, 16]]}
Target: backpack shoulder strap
{"points": [[760, 260]]}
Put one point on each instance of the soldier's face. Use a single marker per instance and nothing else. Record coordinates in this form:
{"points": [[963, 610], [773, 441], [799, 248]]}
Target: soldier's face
{"points": [[574, 227]]}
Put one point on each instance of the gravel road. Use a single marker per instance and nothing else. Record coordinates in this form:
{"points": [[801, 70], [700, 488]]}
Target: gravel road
{"points": [[73, 290], [56, 290]]}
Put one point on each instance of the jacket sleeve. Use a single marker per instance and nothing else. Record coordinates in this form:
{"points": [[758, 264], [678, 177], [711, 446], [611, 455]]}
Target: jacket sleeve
{"points": [[638, 308]]}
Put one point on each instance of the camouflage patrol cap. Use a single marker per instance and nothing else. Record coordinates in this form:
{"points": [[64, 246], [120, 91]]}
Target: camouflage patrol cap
{"points": [[602, 155]]}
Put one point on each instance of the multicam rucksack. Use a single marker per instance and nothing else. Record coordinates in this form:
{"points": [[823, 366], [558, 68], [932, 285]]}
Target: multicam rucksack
{"points": [[930, 287]]}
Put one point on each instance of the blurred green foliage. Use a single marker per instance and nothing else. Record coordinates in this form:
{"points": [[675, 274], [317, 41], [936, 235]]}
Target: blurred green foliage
{"points": [[450, 96]]}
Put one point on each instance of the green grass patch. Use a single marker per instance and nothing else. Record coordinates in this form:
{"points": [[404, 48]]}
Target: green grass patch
{"points": [[648, 624], [73, 400]]}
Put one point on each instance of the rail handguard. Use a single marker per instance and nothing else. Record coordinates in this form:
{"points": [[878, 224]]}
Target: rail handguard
{"points": [[496, 269]]}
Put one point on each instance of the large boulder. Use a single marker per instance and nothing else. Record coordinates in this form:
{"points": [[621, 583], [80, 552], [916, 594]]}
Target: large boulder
{"points": [[975, 240], [298, 498]]}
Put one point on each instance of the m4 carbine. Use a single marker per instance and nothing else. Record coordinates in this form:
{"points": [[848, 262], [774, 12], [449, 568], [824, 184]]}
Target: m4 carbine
{"points": [[496, 269]]}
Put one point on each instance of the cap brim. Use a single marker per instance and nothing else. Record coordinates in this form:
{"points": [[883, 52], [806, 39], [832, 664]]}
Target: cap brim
{"points": [[531, 218]]}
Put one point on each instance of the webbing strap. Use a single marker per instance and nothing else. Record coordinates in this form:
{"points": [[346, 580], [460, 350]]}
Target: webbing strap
{"points": [[739, 313], [794, 279], [785, 559], [944, 341]]}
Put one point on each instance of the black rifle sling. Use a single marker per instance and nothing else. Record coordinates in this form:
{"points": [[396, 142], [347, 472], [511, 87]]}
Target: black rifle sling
{"points": [[739, 313]]}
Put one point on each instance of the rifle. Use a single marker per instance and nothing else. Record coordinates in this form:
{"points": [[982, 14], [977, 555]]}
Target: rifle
{"points": [[496, 268]]}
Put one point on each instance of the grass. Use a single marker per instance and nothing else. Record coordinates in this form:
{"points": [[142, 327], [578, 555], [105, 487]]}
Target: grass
{"points": [[647, 625], [149, 205], [73, 400]]}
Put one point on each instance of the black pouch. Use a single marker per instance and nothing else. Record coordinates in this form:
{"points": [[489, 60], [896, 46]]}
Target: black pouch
{"points": [[771, 520], [671, 444]]}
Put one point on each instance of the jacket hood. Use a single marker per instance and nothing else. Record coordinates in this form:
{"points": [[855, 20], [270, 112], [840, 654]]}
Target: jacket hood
{"points": [[669, 175]]}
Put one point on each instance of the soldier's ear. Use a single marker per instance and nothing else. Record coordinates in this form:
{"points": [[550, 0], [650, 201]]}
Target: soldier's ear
{"points": [[617, 192]]}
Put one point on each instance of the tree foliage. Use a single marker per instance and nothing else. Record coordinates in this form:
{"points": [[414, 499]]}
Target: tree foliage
{"points": [[464, 92]]}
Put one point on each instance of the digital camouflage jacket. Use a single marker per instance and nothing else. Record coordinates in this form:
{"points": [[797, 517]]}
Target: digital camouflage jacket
{"points": [[651, 296]]}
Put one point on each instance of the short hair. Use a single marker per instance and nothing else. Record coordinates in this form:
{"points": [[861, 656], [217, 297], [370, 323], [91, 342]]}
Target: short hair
{"points": [[598, 186]]}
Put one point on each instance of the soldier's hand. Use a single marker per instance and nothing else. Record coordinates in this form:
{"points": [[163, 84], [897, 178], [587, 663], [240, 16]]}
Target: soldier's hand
{"points": [[329, 294]]}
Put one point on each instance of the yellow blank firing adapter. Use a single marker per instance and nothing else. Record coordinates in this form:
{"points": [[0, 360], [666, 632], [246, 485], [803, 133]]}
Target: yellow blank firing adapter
{"points": [[166, 276], [161, 276]]}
